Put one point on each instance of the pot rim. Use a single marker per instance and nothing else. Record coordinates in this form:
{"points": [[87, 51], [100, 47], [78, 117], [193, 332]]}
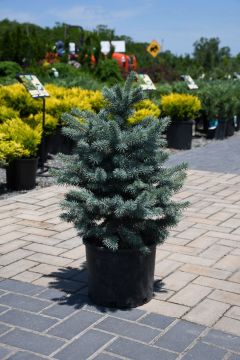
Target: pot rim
{"points": [[104, 249], [182, 121]]}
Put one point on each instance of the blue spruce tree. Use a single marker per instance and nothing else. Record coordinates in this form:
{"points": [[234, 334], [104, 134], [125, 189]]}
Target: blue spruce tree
{"points": [[121, 195]]}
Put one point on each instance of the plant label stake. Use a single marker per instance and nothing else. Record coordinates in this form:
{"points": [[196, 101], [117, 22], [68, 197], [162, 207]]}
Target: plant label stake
{"points": [[146, 84], [190, 82], [36, 90]]}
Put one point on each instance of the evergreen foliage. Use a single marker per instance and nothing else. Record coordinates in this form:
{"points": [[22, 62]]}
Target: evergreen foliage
{"points": [[121, 195]]}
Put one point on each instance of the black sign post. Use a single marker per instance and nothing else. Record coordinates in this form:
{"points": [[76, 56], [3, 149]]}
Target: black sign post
{"points": [[36, 90], [42, 145]]}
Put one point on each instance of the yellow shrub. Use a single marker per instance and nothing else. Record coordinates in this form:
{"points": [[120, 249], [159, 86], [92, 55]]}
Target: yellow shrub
{"points": [[7, 113], [16, 97], [143, 109], [55, 107], [96, 100], [36, 121], [75, 102], [21, 133], [180, 106], [63, 100], [10, 150], [84, 99], [19, 102], [55, 91]]}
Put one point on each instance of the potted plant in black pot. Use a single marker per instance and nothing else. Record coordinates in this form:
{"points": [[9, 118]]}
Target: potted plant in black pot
{"points": [[226, 111], [182, 109], [226, 104], [121, 197], [18, 148], [236, 117], [208, 113]]}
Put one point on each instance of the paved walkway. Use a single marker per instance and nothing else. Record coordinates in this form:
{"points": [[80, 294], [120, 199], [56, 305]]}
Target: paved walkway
{"points": [[219, 156], [195, 313]]}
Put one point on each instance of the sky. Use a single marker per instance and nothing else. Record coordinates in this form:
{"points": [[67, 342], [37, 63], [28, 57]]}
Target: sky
{"points": [[175, 24]]}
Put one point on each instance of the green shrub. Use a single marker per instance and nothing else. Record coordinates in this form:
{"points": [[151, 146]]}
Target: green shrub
{"points": [[108, 71], [65, 70], [219, 98], [163, 89], [9, 68], [83, 80]]}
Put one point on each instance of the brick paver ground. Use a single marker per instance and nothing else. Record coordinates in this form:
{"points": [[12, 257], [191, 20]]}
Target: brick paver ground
{"points": [[42, 323], [195, 312]]}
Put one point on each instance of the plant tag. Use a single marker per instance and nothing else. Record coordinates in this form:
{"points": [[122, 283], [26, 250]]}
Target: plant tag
{"points": [[32, 85]]}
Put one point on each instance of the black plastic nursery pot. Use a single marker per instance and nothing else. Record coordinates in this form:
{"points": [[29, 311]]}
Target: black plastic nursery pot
{"points": [[237, 123], [57, 142], [211, 133], [230, 127], [220, 132], [21, 174], [121, 279], [211, 129], [179, 135]]}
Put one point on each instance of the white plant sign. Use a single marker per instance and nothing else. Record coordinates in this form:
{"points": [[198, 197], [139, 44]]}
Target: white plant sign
{"points": [[190, 82], [145, 82], [119, 46], [33, 85]]}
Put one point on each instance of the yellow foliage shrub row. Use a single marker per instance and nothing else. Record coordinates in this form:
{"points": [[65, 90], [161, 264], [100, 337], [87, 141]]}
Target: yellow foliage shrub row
{"points": [[15, 98], [21, 115], [16, 102]]}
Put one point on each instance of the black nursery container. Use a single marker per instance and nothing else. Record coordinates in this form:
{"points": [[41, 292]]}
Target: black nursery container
{"points": [[220, 132], [57, 142], [230, 127], [21, 174], [237, 123], [179, 135], [121, 279]]}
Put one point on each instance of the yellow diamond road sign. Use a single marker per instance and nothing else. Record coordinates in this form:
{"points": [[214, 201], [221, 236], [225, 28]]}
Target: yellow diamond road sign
{"points": [[154, 48]]}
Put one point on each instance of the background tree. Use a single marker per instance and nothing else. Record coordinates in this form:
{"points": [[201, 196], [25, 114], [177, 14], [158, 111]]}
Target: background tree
{"points": [[208, 54], [28, 43]]}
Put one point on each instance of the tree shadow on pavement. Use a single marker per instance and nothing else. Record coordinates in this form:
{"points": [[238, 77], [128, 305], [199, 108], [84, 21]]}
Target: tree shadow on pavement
{"points": [[71, 289]]}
